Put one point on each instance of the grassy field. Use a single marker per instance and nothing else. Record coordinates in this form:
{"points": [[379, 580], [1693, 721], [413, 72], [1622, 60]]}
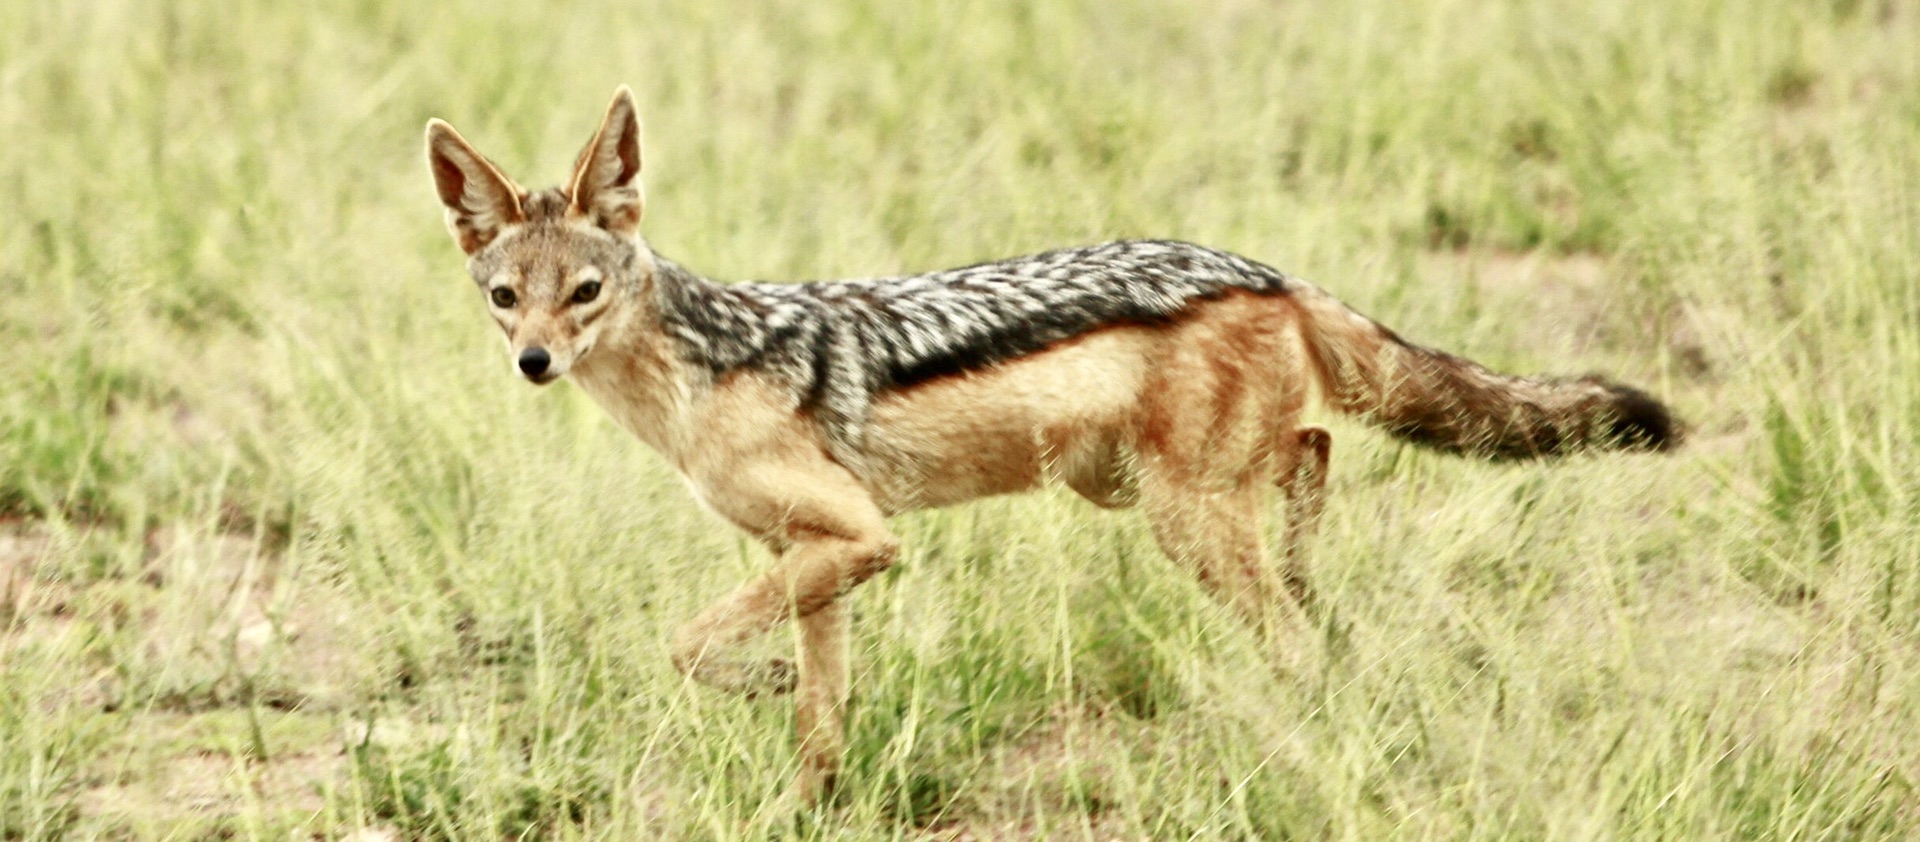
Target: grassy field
{"points": [[287, 552]]}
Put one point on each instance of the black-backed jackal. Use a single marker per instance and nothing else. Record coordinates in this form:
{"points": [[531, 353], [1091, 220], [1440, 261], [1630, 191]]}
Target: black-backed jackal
{"points": [[1157, 374]]}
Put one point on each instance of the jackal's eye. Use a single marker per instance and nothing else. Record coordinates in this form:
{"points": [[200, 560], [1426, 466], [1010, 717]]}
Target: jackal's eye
{"points": [[586, 292], [503, 298]]}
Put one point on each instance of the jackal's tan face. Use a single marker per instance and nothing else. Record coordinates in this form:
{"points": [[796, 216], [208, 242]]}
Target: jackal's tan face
{"points": [[557, 267], [554, 287]]}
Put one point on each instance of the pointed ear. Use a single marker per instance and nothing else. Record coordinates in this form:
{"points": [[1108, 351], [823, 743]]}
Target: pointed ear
{"points": [[606, 179], [480, 201]]}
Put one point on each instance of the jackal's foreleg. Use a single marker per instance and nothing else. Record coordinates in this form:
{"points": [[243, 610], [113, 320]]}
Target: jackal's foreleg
{"points": [[820, 702], [808, 578], [828, 537]]}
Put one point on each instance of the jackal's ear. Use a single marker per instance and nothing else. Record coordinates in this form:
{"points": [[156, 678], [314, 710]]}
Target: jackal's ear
{"points": [[606, 178], [480, 200]]}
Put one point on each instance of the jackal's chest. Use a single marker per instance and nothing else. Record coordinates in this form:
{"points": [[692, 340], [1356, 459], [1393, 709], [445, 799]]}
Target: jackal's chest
{"points": [[645, 400]]}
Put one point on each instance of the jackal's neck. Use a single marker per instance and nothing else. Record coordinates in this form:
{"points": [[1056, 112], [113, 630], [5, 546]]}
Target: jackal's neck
{"points": [[680, 292], [716, 326], [641, 374]]}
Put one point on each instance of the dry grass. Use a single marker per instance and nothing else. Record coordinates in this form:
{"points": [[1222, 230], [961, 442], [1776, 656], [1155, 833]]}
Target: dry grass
{"points": [[286, 552]]}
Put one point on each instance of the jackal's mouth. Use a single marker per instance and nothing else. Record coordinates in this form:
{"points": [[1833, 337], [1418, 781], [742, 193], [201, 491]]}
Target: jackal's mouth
{"points": [[543, 378]]}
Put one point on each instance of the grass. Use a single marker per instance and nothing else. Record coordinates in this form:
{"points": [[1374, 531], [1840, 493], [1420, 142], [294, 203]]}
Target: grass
{"points": [[288, 552]]}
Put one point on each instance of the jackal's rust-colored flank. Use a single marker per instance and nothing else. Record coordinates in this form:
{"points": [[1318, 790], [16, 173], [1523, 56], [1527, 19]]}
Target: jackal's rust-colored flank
{"points": [[1159, 374]]}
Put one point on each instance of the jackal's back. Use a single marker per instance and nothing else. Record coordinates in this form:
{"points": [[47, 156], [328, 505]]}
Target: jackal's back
{"points": [[839, 343]]}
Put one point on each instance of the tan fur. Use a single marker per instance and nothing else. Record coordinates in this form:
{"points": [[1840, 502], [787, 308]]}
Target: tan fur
{"points": [[1192, 421]]}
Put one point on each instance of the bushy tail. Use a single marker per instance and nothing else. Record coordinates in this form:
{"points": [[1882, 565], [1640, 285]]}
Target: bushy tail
{"points": [[1441, 401]]}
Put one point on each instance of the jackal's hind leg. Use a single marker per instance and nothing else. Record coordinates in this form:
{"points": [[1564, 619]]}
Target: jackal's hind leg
{"points": [[1215, 533], [1304, 483]]}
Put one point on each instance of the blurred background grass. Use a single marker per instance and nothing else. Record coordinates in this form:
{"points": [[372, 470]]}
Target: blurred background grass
{"points": [[289, 552]]}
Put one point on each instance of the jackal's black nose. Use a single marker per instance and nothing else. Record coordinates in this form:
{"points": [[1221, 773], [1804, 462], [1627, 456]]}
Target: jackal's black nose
{"points": [[534, 361]]}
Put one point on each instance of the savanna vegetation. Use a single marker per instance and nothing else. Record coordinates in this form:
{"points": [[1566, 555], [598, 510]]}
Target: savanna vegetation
{"points": [[288, 551]]}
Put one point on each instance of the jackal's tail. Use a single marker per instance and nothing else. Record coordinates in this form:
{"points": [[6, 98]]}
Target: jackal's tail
{"points": [[1436, 399]]}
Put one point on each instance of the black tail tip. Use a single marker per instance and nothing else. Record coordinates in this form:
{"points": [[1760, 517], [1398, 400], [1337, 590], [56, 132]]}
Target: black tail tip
{"points": [[1642, 423]]}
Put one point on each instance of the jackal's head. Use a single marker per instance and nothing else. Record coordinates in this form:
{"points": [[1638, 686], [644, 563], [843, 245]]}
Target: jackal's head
{"points": [[559, 267]]}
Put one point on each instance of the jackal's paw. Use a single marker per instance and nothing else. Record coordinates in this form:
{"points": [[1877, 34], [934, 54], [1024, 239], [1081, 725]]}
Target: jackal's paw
{"points": [[811, 788], [773, 677], [1297, 649], [776, 677]]}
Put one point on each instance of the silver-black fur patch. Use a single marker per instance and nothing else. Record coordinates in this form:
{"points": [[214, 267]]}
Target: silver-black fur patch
{"points": [[836, 344]]}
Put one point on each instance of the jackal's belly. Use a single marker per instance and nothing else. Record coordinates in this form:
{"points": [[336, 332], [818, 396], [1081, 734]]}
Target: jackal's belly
{"points": [[1066, 412]]}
